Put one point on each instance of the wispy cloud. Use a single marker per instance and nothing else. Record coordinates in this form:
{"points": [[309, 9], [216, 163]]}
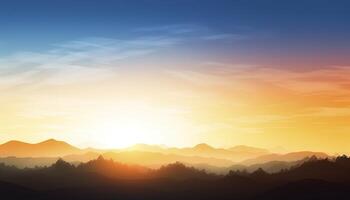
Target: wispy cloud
{"points": [[320, 80], [321, 92], [84, 58], [81, 59], [172, 29], [191, 31], [225, 37]]}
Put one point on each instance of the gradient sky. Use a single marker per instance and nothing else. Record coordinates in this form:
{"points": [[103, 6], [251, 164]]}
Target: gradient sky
{"points": [[181, 72]]}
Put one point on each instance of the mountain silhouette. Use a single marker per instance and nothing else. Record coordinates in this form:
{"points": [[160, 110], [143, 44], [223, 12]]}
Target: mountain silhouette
{"points": [[113, 169], [28, 162], [248, 149], [180, 171], [54, 148], [203, 156], [203, 147], [102, 178], [293, 156], [235, 154], [156, 159], [48, 148]]}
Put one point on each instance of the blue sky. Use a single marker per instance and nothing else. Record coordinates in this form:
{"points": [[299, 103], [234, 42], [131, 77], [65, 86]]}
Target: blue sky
{"points": [[287, 29]]}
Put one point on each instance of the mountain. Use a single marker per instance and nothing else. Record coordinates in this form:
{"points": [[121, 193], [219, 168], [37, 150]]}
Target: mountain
{"points": [[85, 157], [149, 159], [54, 148], [180, 171], [48, 148], [203, 147], [274, 166], [294, 156], [110, 168], [248, 149], [105, 179], [235, 154], [156, 159], [23, 154], [270, 167], [28, 162]]}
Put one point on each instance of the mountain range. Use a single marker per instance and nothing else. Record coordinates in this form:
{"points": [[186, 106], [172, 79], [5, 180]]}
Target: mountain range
{"points": [[106, 179], [23, 154], [48, 148]]}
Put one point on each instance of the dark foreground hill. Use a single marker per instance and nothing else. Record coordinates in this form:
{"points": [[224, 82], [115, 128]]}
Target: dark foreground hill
{"points": [[106, 179]]}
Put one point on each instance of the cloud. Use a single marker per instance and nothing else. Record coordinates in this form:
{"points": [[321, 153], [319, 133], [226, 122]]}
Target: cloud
{"points": [[212, 73], [258, 119], [191, 31], [196, 77], [96, 57], [76, 60], [327, 112], [332, 79], [272, 91], [225, 37], [172, 29]]}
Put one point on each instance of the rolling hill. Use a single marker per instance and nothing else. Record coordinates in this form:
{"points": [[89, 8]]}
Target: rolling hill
{"points": [[235, 154], [23, 154], [289, 157], [48, 148]]}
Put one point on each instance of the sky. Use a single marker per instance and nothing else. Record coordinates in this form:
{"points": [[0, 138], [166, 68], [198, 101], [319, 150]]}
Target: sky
{"points": [[111, 73]]}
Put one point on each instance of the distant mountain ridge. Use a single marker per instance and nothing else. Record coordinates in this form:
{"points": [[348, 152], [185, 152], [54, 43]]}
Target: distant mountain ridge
{"points": [[293, 156], [48, 148], [44, 153], [235, 154]]}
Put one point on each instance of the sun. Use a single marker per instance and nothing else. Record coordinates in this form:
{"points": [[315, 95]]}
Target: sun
{"points": [[131, 124], [122, 131]]}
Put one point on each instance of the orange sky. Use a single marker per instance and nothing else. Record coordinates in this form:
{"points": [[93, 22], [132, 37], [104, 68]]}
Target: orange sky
{"points": [[223, 105]]}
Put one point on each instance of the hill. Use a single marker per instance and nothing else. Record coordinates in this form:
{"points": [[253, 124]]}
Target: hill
{"points": [[101, 178], [48, 148], [289, 157], [235, 154]]}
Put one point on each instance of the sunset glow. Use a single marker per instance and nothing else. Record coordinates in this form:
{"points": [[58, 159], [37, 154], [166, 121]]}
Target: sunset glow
{"points": [[175, 99], [178, 83]]}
